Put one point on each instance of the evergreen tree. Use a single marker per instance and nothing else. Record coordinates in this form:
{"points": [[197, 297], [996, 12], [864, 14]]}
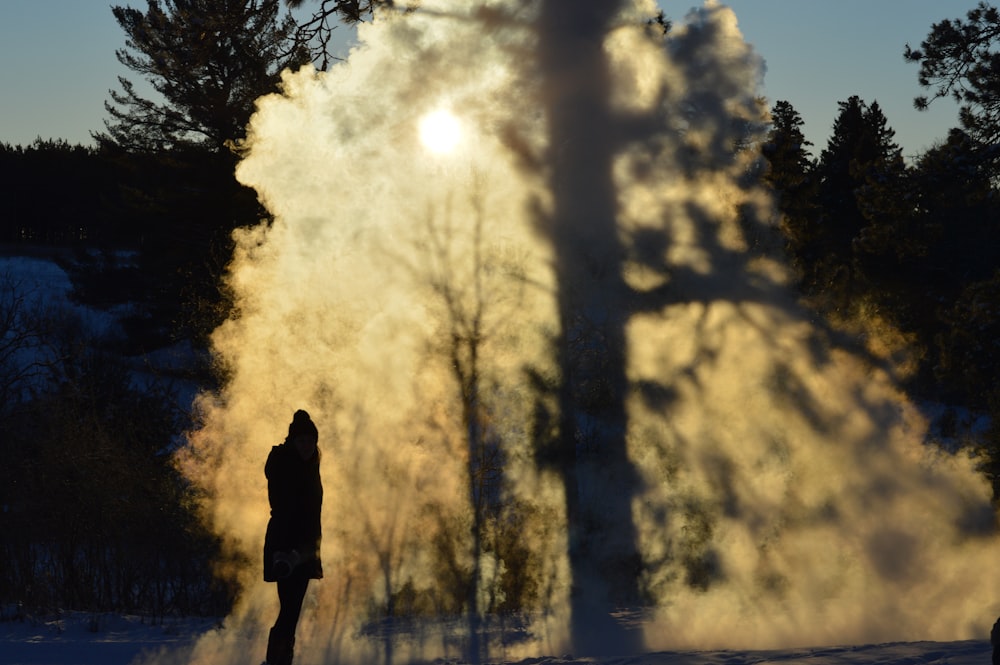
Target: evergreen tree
{"points": [[54, 194], [181, 207], [925, 259], [790, 174], [957, 193], [860, 151], [208, 60], [880, 172], [959, 60], [959, 231]]}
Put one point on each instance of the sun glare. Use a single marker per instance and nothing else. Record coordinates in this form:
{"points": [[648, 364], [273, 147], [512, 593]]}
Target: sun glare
{"points": [[440, 131]]}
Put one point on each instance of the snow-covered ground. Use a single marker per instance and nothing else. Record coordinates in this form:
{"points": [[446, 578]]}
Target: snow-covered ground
{"points": [[77, 638], [40, 280], [86, 639]]}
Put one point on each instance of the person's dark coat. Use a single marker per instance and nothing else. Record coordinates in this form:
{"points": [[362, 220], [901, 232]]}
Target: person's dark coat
{"points": [[295, 493]]}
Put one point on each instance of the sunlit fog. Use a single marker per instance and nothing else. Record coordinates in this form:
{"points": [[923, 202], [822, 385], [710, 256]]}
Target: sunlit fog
{"points": [[480, 219]]}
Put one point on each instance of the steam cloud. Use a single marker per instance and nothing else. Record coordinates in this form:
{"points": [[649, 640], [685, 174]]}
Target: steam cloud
{"points": [[786, 495]]}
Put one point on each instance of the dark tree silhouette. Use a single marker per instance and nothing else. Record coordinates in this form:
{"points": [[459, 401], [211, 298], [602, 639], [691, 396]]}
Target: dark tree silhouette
{"points": [[316, 32], [95, 516], [54, 193], [959, 59], [860, 149], [208, 61], [790, 174]]}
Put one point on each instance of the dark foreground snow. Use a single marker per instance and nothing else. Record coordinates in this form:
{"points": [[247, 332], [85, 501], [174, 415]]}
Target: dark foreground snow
{"points": [[84, 639], [87, 639]]}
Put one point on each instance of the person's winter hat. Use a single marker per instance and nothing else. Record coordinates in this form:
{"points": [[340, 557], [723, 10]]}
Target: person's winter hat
{"points": [[302, 425]]}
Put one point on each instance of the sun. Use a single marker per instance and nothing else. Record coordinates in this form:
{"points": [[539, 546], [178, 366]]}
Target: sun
{"points": [[440, 131]]}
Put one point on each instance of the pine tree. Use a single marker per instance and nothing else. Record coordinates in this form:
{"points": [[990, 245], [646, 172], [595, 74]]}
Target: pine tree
{"points": [[207, 60], [959, 230], [959, 60], [790, 175], [860, 151]]}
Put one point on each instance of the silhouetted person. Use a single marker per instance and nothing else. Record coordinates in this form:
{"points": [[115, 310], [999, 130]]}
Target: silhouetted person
{"points": [[995, 641], [291, 545]]}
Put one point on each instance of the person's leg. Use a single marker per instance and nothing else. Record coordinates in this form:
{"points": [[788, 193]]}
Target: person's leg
{"points": [[281, 640]]}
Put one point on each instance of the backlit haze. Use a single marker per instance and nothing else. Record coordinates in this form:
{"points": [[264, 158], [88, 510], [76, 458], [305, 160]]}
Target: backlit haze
{"points": [[783, 494]]}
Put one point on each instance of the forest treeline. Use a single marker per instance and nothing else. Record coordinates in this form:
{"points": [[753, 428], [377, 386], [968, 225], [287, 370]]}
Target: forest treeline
{"points": [[902, 252]]}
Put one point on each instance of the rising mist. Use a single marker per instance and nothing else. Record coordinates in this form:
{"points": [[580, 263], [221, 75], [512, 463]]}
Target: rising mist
{"points": [[586, 287]]}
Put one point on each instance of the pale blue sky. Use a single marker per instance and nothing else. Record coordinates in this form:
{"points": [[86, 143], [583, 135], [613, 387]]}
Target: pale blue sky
{"points": [[59, 62]]}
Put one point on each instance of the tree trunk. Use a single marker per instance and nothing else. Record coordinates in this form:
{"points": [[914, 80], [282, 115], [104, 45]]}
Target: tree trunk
{"points": [[592, 458]]}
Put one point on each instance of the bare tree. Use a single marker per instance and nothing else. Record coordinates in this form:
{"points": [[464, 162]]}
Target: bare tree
{"points": [[458, 275]]}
